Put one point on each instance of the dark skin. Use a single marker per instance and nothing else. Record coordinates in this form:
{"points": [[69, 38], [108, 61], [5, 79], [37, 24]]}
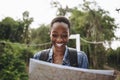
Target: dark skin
{"points": [[59, 35]]}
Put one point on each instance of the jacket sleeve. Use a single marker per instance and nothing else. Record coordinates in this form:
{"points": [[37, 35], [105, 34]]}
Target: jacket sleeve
{"points": [[37, 55], [82, 60]]}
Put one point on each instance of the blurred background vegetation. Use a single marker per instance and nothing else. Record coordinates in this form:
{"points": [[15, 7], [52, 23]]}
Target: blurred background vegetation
{"points": [[18, 42]]}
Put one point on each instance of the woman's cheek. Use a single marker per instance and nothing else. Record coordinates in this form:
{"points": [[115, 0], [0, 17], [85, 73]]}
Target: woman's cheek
{"points": [[52, 40]]}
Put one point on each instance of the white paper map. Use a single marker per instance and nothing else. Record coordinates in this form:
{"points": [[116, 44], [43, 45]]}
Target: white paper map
{"points": [[40, 70]]}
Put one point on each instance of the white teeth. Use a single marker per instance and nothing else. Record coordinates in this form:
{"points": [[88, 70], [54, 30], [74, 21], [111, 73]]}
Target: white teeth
{"points": [[59, 45]]}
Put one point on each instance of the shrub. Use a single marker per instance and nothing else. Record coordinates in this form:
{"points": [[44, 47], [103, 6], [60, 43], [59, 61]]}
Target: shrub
{"points": [[12, 61]]}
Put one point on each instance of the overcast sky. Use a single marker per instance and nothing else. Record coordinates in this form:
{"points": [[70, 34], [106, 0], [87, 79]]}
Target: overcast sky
{"points": [[42, 11]]}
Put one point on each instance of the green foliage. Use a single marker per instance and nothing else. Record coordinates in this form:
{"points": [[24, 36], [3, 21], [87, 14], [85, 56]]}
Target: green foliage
{"points": [[26, 31], [16, 31], [26, 54], [113, 57], [94, 25], [91, 24], [12, 61], [8, 28], [40, 35]]}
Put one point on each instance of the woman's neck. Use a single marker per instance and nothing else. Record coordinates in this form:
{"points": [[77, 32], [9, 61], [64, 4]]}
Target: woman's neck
{"points": [[58, 55], [58, 52]]}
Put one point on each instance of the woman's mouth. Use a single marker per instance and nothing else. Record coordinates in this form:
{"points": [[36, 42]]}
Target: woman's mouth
{"points": [[59, 45]]}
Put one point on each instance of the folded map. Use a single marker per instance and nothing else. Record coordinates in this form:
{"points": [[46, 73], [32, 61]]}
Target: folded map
{"points": [[40, 70]]}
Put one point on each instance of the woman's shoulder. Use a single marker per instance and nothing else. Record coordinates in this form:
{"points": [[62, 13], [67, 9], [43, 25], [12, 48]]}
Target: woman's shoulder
{"points": [[81, 54], [78, 52], [38, 54]]}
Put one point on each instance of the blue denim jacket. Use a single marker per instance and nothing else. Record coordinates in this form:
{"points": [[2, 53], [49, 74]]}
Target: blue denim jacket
{"points": [[82, 58]]}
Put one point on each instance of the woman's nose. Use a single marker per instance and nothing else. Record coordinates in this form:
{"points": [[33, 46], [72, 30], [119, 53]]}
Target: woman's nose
{"points": [[59, 39]]}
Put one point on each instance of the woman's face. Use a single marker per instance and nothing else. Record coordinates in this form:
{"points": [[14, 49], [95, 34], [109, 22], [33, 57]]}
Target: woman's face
{"points": [[59, 34]]}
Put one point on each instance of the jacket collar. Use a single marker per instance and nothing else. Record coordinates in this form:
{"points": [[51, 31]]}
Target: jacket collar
{"points": [[65, 58]]}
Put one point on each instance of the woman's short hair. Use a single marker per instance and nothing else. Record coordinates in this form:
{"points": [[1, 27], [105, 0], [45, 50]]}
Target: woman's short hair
{"points": [[60, 19]]}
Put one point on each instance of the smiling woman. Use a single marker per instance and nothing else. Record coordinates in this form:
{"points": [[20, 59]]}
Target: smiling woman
{"points": [[59, 53]]}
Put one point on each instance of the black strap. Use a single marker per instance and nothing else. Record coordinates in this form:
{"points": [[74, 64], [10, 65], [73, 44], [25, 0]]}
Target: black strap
{"points": [[73, 57], [44, 55]]}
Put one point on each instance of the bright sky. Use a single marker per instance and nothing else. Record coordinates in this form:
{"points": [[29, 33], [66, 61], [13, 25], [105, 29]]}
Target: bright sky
{"points": [[42, 11]]}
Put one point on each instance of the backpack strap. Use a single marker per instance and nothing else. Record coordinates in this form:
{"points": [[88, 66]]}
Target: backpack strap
{"points": [[73, 57], [44, 55]]}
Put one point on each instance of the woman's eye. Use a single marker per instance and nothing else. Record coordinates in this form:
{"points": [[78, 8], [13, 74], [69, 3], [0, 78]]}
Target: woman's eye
{"points": [[64, 35], [54, 35]]}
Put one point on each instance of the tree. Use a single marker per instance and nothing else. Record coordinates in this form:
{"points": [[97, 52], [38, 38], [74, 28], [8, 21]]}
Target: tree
{"points": [[41, 36], [26, 31], [113, 58], [19, 32], [16, 31], [11, 66], [96, 26], [60, 10], [8, 28]]}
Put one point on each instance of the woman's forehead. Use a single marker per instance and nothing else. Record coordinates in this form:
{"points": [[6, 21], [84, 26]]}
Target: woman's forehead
{"points": [[60, 24]]}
